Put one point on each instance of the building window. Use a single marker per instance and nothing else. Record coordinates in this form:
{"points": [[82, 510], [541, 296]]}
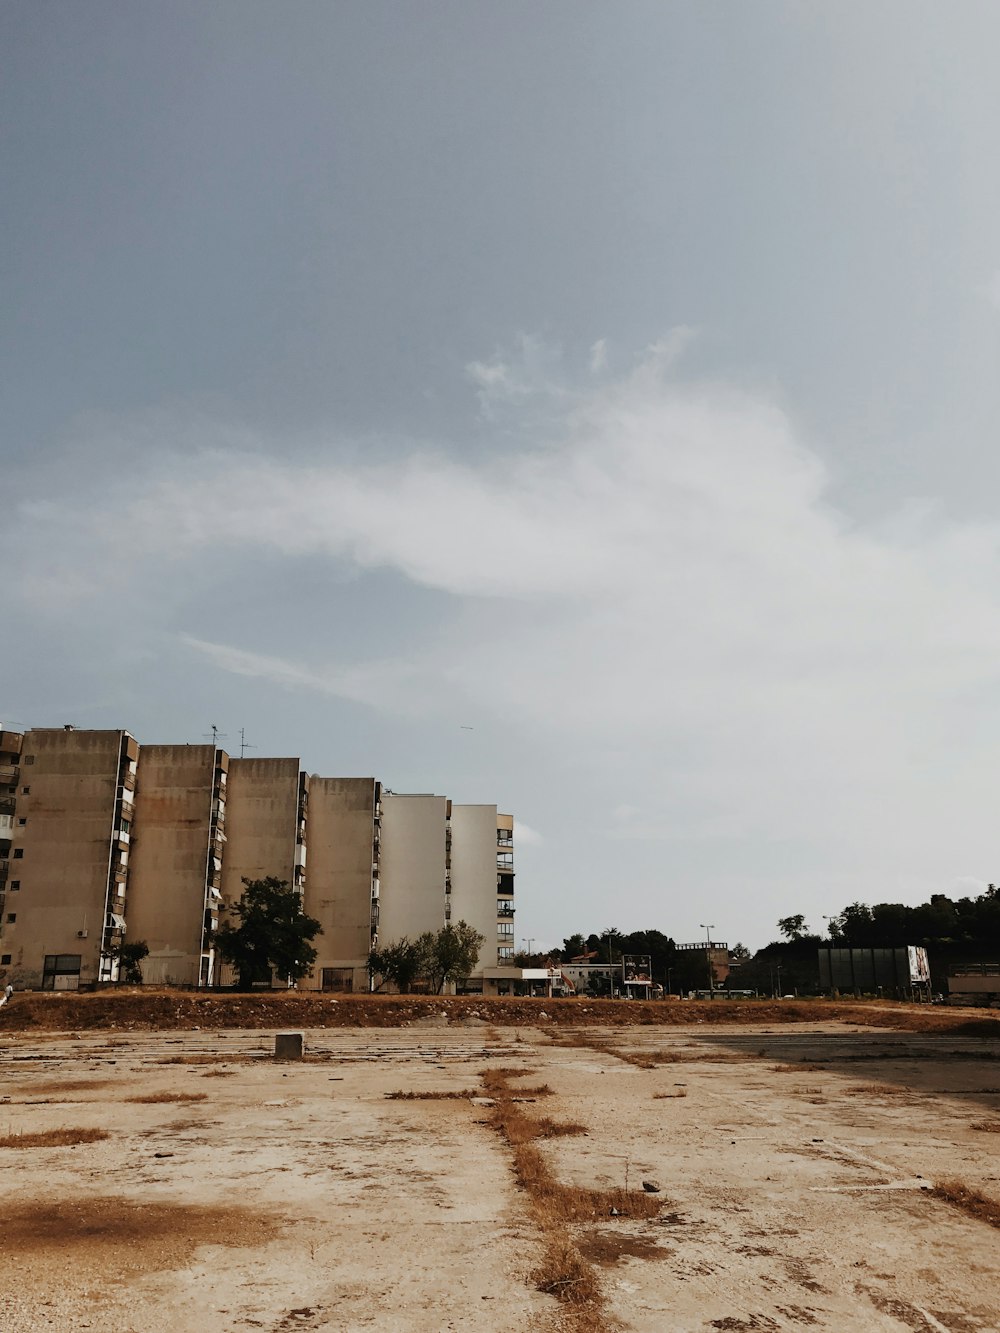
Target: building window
{"points": [[505, 930], [4, 958], [505, 860], [28, 759], [18, 853], [505, 953], [22, 821], [11, 918], [505, 837], [14, 885], [25, 791]]}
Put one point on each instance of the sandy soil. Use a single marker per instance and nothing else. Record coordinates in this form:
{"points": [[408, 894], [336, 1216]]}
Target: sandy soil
{"points": [[794, 1166]]}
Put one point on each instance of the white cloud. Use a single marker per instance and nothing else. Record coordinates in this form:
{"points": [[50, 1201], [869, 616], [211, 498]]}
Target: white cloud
{"points": [[599, 356], [654, 586]]}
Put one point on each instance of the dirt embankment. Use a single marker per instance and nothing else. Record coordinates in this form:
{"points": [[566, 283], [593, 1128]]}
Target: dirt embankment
{"points": [[131, 1008]]}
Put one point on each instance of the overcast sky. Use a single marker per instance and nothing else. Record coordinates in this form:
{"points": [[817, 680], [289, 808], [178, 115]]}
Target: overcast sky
{"points": [[587, 407]]}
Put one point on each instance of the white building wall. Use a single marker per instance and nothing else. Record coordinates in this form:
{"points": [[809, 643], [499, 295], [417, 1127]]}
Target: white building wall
{"points": [[474, 875]]}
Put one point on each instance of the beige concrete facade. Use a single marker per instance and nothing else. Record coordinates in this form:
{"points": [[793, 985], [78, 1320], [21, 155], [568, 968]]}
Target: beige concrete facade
{"points": [[176, 869], [64, 912], [343, 885], [413, 865], [266, 810], [473, 896], [267, 807]]}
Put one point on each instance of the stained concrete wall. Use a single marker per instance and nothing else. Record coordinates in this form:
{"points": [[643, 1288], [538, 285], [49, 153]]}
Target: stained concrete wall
{"points": [[68, 867], [176, 860], [342, 878]]}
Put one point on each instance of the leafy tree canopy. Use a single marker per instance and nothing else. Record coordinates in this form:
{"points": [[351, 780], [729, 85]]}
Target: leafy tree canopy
{"points": [[273, 933], [449, 955], [129, 957]]}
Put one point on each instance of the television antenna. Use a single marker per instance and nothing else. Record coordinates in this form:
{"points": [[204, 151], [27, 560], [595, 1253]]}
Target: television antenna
{"points": [[216, 735], [244, 743]]}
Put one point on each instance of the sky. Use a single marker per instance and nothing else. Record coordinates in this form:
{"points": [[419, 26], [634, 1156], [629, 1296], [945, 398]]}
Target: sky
{"points": [[588, 408]]}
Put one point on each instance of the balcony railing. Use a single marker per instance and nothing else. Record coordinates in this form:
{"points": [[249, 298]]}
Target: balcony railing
{"points": [[9, 773]]}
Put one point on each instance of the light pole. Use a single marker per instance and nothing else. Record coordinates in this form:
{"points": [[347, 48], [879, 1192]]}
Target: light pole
{"points": [[669, 970], [708, 953], [529, 942]]}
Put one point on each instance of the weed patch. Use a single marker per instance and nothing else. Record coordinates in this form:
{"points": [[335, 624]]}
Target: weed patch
{"points": [[462, 1095], [53, 1138], [987, 1126], [154, 1098], [970, 1201]]}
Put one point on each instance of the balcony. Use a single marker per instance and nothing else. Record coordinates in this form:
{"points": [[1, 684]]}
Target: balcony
{"points": [[7, 805], [9, 773], [128, 781], [505, 910]]}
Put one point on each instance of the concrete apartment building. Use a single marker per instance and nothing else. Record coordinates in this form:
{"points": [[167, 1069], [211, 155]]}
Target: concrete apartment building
{"points": [[475, 870], [446, 862], [67, 873], [344, 883], [91, 825], [176, 869]]}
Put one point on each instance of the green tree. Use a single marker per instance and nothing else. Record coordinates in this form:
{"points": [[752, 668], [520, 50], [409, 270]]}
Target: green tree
{"points": [[129, 957], [273, 933], [400, 964], [452, 954], [739, 952], [792, 927]]}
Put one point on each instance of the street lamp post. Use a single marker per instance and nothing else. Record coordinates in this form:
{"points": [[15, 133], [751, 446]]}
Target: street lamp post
{"points": [[529, 942], [669, 970], [708, 954]]}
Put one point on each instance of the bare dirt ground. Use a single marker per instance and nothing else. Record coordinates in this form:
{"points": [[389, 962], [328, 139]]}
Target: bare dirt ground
{"points": [[797, 1166]]}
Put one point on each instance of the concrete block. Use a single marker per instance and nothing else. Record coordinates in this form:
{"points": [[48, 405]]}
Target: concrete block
{"points": [[289, 1045]]}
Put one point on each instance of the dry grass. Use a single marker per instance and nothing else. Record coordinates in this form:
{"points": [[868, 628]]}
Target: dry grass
{"points": [[154, 1098], [987, 1126], [463, 1095], [666, 1096], [547, 1128], [218, 1073], [563, 1272], [204, 1060], [878, 1090], [970, 1201], [66, 1085], [53, 1138]]}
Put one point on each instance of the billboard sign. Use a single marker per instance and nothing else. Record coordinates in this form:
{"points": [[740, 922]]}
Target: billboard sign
{"points": [[920, 970]]}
